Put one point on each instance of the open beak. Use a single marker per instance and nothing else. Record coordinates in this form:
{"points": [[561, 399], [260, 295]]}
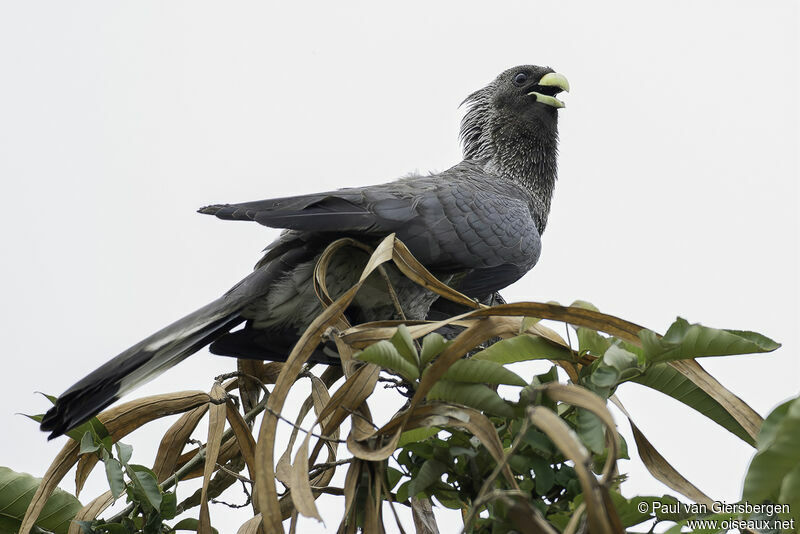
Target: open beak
{"points": [[555, 80]]}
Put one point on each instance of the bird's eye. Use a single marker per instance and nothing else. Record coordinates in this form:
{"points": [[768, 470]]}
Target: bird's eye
{"points": [[520, 78]]}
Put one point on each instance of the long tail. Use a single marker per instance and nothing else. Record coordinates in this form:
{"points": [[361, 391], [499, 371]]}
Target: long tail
{"points": [[152, 356]]}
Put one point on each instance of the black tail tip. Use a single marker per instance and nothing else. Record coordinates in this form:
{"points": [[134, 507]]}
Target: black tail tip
{"points": [[213, 209], [54, 423]]}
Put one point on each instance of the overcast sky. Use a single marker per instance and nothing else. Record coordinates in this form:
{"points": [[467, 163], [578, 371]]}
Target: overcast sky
{"points": [[677, 190]]}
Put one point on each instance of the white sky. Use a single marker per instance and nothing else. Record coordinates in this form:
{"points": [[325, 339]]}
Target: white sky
{"points": [[677, 190]]}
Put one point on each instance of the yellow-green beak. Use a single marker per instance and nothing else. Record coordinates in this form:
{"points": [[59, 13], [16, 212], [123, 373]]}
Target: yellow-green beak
{"points": [[551, 79]]}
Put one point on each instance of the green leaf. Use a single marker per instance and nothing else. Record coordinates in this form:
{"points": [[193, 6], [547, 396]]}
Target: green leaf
{"points": [[16, 492], [475, 395], [110, 528], [116, 481], [790, 491], [448, 498], [430, 472], [591, 430], [538, 441], [416, 434], [608, 371], [393, 476], [523, 348], [619, 358], [482, 372], [667, 380], [779, 457], [432, 345], [93, 425], [88, 444], [628, 510], [584, 305], [545, 476], [683, 340], [404, 344], [190, 523], [385, 354], [769, 428], [124, 452], [402, 491], [169, 505], [604, 376], [147, 484], [592, 342]]}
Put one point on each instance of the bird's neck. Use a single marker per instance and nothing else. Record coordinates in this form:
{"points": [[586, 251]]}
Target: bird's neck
{"points": [[532, 163]]}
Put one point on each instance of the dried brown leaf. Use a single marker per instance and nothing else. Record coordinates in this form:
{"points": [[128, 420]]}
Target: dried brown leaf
{"points": [[216, 427], [252, 526], [174, 440], [351, 481], [123, 419], [284, 466], [247, 444], [86, 463], [249, 388], [301, 494]]}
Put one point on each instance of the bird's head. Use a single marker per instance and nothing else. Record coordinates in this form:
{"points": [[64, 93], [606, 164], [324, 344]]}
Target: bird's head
{"points": [[519, 107]]}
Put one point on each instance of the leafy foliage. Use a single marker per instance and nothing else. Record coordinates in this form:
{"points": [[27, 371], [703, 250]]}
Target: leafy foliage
{"points": [[542, 457]]}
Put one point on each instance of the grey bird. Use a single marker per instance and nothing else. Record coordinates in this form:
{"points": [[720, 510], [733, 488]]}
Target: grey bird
{"points": [[476, 226]]}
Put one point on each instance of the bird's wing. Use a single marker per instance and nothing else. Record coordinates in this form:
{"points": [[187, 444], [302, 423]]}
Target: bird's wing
{"points": [[459, 220]]}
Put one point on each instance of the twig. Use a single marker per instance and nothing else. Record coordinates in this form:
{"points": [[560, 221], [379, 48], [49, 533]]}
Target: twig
{"points": [[360, 416], [318, 468], [301, 429], [237, 506], [241, 478]]}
